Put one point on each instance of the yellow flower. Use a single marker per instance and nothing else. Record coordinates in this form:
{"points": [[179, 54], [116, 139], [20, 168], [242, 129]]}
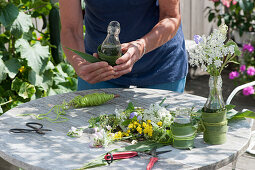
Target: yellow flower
{"points": [[130, 126], [148, 121], [139, 129], [128, 131], [118, 135], [159, 123], [144, 124], [150, 133], [22, 69]]}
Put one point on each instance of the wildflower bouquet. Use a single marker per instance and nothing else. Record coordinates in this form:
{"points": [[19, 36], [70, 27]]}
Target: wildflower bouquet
{"points": [[212, 54], [133, 124], [246, 72]]}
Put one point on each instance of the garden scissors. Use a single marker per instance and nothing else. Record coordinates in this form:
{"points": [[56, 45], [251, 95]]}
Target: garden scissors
{"points": [[35, 127], [129, 154], [154, 157]]}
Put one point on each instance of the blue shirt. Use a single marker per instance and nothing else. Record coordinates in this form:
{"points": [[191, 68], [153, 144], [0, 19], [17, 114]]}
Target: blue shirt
{"points": [[167, 63]]}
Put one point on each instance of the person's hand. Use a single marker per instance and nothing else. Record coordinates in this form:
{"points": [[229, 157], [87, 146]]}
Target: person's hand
{"points": [[92, 72], [133, 51]]}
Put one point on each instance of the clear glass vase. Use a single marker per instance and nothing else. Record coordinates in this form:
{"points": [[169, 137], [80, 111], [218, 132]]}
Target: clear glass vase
{"points": [[111, 45], [215, 100]]}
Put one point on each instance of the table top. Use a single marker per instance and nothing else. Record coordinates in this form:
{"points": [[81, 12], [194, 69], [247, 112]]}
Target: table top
{"points": [[55, 150]]}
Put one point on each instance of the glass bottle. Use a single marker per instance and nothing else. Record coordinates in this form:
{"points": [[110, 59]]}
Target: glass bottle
{"points": [[111, 45], [182, 116], [215, 100]]}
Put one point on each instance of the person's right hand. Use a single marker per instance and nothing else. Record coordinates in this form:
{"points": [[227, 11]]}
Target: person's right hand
{"points": [[92, 72]]}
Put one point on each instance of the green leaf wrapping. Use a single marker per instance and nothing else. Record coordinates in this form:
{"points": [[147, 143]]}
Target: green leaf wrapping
{"points": [[93, 99], [86, 56], [215, 127]]}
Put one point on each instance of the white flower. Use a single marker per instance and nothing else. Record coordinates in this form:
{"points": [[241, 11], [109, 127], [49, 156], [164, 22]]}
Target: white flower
{"points": [[120, 114], [134, 142], [218, 63], [75, 132], [156, 113], [211, 52], [108, 127]]}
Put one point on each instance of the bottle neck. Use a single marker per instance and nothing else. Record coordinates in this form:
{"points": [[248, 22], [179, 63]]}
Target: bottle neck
{"points": [[215, 100]]}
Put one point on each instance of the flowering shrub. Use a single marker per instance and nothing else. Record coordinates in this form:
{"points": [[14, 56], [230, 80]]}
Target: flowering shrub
{"points": [[246, 72], [238, 14]]}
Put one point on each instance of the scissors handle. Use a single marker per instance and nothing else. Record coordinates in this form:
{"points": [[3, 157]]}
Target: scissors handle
{"points": [[30, 124], [20, 130], [35, 127], [153, 160]]}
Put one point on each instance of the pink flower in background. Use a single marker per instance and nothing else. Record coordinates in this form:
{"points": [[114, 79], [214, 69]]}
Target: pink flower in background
{"points": [[248, 47], [234, 2], [251, 71], [248, 91], [243, 68], [233, 74], [227, 3]]}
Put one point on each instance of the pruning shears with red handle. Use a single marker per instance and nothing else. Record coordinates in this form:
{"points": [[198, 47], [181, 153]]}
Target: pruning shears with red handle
{"points": [[109, 157], [119, 155]]}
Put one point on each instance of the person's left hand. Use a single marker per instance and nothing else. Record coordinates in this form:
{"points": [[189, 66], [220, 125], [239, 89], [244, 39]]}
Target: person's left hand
{"points": [[133, 51]]}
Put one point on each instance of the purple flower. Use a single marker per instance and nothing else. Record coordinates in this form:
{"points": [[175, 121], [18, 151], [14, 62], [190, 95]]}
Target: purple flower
{"points": [[197, 39], [248, 91], [251, 71], [248, 47], [243, 68], [233, 74], [133, 114], [139, 118]]}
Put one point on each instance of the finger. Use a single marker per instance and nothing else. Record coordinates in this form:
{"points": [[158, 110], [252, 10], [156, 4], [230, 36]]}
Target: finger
{"points": [[122, 72], [124, 66], [100, 74], [127, 56], [103, 77], [91, 67], [125, 45], [95, 55]]}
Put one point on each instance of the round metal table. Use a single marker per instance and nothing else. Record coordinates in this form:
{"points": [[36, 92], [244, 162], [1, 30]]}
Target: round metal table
{"points": [[55, 150]]}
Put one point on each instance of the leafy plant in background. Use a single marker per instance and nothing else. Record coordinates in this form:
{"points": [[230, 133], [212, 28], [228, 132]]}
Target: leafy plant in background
{"points": [[238, 14], [246, 72], [27, 68]]}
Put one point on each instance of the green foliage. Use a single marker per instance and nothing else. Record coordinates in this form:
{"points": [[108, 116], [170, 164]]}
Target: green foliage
{"points": [[239, 15], [27, 68]]}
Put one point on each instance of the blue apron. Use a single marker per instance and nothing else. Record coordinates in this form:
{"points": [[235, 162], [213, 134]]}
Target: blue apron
{"points": [[167, 63]]}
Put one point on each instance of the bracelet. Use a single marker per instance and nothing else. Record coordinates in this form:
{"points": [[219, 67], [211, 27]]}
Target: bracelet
{"points": [[144, 47]]}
